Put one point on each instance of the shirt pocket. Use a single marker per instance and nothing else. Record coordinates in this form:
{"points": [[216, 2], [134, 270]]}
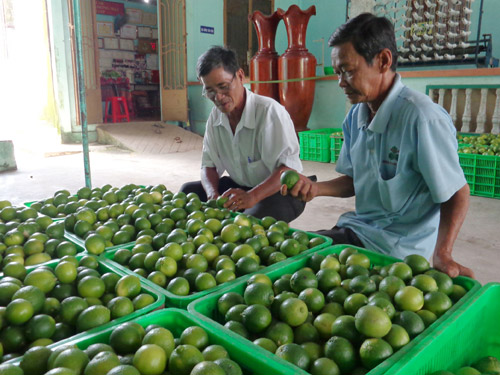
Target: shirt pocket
{"points": [[397, 191], [257, 172]]}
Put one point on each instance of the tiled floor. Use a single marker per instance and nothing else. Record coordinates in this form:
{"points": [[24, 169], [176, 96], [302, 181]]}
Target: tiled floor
{"points": [[150, 137], [38, 177]]}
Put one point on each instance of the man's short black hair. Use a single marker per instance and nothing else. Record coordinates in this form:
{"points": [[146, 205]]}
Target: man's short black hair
{"points": [[216, 57], [369, 35]]}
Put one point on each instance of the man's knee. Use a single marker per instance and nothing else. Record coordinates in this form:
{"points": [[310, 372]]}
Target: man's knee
{"points": [[193, 187], [281, 208]]}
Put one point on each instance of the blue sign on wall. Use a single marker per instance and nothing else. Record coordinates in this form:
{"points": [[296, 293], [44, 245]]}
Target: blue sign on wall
{"points": [[206, 30]]}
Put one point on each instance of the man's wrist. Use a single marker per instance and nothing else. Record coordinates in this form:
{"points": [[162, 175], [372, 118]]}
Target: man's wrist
{"points": [[253, 196]]}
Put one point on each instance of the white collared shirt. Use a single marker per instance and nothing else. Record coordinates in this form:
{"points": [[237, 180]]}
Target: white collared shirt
{"points": [[264, 139]]}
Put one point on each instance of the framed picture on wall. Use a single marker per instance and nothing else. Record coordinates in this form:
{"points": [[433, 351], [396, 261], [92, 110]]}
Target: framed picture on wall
{"points": [[105, 29], [128, 32], [144, 32], [149, 18], [134, 15], [111, 43], [127, 44]]}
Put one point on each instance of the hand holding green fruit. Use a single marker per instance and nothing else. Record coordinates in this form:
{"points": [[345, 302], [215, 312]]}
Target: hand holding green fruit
{"points": [[289, 178]]}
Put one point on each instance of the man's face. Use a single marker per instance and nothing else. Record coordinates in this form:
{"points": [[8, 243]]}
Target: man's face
{"points": [[361, 82], [224, 89]]}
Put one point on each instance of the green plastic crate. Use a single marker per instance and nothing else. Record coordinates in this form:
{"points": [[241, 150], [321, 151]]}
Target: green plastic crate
{"points": [[473, 333], [206, 307], [482, 173], [176, 321], [336, 143], [104, 267], [315, 144], [172, 300]]}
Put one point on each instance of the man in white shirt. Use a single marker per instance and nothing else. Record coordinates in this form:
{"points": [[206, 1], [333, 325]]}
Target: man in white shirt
{"points": [[249, 136]]}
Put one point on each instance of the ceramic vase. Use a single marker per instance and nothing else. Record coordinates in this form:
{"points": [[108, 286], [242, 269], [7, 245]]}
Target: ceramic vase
{"points": [[296, 63], [264, 64]]}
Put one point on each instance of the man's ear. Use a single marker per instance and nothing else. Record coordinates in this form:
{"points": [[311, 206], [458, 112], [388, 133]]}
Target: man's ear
{"points": [[241, 74], [385, 60]]}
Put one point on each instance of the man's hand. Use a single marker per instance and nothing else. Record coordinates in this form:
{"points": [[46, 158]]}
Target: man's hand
{"points": [[238, 200], [447, 265], [213, 196], [305, 189], [452, 215]]}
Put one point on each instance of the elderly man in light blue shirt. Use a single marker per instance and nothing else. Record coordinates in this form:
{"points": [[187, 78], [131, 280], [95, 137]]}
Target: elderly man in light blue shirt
{"points": [[399, 156]]}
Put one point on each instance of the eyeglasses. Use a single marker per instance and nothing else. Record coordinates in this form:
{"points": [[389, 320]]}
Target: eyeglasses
{"points": [[223, 89]]}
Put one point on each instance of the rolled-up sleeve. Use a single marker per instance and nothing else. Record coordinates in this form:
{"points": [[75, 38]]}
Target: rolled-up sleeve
{"points": [[279, 142]]}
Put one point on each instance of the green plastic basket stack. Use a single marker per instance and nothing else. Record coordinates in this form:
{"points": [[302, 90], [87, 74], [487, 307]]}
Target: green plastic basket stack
{"points": [[472, 333], [482, 173], [206, 308], [315, 144], [336, 142]]}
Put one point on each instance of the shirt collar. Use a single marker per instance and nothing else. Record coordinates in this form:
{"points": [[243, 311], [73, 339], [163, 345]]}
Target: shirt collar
{"points": [[246, 119], [246, 116], [381, 119]]}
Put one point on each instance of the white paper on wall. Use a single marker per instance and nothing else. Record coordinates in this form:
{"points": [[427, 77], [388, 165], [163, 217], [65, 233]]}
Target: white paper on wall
{"points": [[144, 32], [129, 55], [111, 43], [105, 62], [127, 44], [105, 53], [152, 61], [128, 32]]}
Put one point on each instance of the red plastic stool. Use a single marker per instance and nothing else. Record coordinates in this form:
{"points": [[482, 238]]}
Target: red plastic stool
{"points": [[118, 107]]}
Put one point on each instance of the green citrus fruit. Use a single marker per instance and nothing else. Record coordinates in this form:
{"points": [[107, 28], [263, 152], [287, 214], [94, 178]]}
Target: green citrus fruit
{"points": [[150, 359], [374, 351], [195, 336], [294, 354], [372, 321]]}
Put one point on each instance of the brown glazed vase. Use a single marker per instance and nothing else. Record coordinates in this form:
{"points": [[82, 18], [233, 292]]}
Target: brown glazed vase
{"points": [[264, 64], [297, 62]]}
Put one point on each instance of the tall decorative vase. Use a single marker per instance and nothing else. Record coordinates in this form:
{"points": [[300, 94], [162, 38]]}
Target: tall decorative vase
{"points": [[297, 62], [264, 64]]}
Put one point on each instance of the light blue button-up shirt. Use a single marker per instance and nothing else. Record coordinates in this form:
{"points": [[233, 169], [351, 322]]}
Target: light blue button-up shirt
{"points": [[404, 163]]}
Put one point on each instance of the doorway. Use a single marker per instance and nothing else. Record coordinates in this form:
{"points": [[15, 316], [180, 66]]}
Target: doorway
{"points": [[243, 39], [127, 41]]}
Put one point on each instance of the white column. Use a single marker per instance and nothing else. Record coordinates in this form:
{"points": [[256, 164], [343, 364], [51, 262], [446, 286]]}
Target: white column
{"points": [[467, 116], [481, 114], [441, 97], [495, 119], [431, 94], [453, 107]]}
